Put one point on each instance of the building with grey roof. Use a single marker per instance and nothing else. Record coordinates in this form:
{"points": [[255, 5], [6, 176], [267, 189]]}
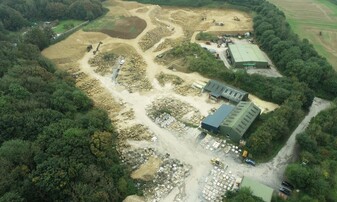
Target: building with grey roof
{"points": [[220, 90], [239, 120], [246, 55], [213, 121]]}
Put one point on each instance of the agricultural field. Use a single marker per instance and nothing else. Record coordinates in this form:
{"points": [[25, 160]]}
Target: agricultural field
{"points": [[310, 17], [65, 25]]}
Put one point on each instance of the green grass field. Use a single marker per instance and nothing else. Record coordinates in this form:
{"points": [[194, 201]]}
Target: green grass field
{"points": [[310, 17], [99, 24], [62, 26]]}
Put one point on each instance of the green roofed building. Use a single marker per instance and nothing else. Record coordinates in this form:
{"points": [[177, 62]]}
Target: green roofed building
{"points": [[213, 121], [258, 189], [246, 55], [218, 90], [239, 120]]}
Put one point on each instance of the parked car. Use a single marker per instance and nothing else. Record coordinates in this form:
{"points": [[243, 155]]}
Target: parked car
{"points": [[250, 162], [285, 191], [122, 62], [288, 185]]}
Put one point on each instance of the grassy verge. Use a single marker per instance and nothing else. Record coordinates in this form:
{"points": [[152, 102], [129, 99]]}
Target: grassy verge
{"points": [[65, 25]]}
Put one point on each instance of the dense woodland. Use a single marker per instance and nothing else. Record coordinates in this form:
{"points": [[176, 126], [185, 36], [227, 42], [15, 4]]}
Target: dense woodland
{"points": [[25, 17], [54, 145], [317, 178], [16, 14], [308, 74]]}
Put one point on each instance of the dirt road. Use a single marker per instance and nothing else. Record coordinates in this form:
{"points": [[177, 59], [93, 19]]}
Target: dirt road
{"points": [[278, 165]]}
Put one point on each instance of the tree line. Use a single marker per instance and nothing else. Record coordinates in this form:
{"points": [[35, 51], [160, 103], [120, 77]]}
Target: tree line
{"points": [[22, 16], [54, 144], [16, 14]]}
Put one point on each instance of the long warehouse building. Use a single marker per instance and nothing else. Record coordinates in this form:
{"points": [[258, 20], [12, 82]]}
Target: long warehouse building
{"points": [[246, 56], [218, 90], [239, 120]]}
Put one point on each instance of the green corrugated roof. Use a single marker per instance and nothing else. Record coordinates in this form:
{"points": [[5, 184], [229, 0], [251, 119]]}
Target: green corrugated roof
{"points": [[220, 89], [246, 53], [258, 189], [242, 117]]}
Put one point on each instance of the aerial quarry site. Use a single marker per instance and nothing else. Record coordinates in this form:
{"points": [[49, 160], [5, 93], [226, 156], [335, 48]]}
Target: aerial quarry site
{"points": [[159, 111]]}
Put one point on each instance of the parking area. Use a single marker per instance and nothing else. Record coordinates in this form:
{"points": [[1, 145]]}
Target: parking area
{"points": [[219, 49]]}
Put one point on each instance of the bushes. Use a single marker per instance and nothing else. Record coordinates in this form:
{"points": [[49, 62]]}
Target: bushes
{"points": [[206, 36]]}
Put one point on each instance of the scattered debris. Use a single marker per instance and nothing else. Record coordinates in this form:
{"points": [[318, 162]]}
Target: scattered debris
{"points": [[217, 183]]}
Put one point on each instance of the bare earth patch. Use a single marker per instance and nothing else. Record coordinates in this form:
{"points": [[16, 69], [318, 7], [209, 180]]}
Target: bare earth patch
{"points": [[126, 28], [147, 171]]}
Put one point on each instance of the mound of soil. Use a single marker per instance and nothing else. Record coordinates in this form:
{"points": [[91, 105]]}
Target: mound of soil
{"points": [[126, 28]]}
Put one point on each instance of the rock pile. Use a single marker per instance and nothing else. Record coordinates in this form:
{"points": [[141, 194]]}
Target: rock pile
{"points": [[133, 75], [103, 62], [171, 172], [181, 111], [154, 36], [169, 78]]}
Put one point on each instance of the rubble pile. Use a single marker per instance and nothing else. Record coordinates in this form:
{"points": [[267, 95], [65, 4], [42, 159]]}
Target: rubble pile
{"points": [[167, 121], [187, 90], [136, 157], [154, 36], [101, 97], [103, 62], [132, 75], [218, 183], [168, 43], [176, 109], [168, 78], [135, 132], [170, 175], [88, 85]]}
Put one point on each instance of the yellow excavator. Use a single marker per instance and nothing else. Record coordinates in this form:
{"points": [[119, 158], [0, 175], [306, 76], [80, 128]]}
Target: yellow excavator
{"points": [[217, 162]]}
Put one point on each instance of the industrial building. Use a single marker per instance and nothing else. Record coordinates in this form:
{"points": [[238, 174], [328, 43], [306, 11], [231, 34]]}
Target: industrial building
{"points": [[246, 56], [213, 121], [258, 189], [219, 90], [239, 120]]}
